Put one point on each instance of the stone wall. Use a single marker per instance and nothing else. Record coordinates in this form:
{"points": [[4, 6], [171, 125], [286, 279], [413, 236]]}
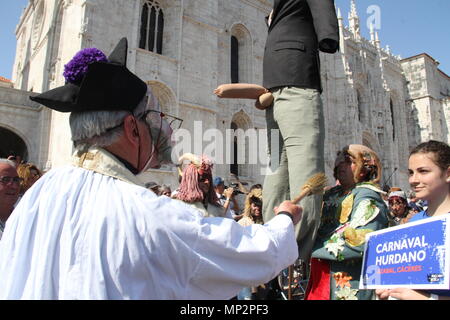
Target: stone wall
{"points": [[370, 96], [21, 116]]}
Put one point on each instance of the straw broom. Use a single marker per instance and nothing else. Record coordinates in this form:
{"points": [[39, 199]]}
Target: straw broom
{"points": [[313, 185]]}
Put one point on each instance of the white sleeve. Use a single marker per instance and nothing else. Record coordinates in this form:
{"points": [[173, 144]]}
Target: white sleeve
{"points": [[233, 257], [230, 214]]}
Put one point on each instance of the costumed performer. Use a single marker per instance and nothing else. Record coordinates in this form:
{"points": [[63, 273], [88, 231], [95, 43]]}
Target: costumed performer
{"points": [[298, 29], [350, 211], [196, 187]]}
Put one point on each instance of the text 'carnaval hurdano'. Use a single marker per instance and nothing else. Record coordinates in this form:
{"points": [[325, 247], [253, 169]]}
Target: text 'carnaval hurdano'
{"points": [[404, 257]]}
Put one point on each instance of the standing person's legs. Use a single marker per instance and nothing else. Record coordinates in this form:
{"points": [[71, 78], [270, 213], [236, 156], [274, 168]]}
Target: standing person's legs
{"points": [[276, 186], [298, 113]]}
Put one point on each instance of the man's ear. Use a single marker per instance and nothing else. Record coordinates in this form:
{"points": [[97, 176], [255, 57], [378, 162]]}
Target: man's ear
{"points": [[131, 130]]}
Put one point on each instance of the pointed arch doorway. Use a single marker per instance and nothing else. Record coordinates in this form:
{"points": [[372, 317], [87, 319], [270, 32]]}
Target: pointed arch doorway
{"points": [[12, 144]]}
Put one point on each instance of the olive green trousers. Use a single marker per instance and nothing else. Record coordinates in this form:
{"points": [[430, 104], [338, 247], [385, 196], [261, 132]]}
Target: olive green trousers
{"points": [[297, 155]]}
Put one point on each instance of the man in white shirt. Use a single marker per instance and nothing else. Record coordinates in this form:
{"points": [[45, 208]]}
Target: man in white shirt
{"points": [[93, 231]]}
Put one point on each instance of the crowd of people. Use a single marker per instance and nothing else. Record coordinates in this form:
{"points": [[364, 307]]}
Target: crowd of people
{"points": [[354, 207]]}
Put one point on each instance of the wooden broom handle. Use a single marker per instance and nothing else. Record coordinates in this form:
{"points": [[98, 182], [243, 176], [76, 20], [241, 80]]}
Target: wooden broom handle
{"points": [[290, 274], [305, 192]]}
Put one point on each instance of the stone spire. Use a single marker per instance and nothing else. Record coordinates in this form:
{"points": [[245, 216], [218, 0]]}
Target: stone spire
{"points": [[377, 40], [353, 12], [341, 30], [353, 20], [372, 34], [388, 49]]}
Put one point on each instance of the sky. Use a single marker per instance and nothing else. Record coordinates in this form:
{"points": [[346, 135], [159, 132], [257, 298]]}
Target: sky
{"points": [[10, 11], [409, 27]]}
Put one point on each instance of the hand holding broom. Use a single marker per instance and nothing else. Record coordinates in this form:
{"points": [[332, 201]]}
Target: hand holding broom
{"points": [[313, 185]]}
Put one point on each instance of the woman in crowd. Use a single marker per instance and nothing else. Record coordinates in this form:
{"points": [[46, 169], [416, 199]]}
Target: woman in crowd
{"points": [[399, 210], [252, 211], [165, 190], [253, 215], [429, 177], [29, 174]]}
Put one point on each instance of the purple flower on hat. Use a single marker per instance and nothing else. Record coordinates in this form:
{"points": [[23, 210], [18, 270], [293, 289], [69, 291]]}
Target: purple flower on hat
{"points": [[75, 70]]}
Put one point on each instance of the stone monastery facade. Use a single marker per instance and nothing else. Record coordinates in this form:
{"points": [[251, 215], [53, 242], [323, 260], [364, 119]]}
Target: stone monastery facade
{"points": [[184, 49]]}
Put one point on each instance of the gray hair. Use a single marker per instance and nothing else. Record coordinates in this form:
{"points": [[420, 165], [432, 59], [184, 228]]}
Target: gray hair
{"points": [[10, 162], [92, 128], [164, 186]]}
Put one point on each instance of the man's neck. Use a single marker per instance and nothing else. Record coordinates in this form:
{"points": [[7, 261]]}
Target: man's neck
{"points": [[127, 165], [123, 155]]}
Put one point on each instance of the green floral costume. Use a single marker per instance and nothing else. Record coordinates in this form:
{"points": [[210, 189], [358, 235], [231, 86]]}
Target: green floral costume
{"points": [[346, 219]]}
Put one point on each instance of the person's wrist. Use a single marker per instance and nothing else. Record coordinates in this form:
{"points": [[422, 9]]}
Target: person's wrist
{"points": [[287, 214]]}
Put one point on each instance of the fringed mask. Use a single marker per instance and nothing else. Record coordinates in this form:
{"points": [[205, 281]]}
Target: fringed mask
{"points": [[199, 169]]}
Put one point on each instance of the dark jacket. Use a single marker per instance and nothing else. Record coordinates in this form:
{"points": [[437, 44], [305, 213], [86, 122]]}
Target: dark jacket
{"points": [[298, 30]]}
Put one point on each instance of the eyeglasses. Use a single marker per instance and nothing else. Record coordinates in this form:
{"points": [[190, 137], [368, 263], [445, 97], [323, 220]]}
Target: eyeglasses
{"points": [[160, 126], [6, 180], [173, 122], [164, 123]]}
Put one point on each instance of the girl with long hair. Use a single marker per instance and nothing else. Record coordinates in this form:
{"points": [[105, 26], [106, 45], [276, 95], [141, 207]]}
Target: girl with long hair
{"points": [[429, 177]]}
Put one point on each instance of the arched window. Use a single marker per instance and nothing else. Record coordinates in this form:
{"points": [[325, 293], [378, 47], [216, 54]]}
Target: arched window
{"points": [[234, 167], [152, 27], [360, 110], [234, 60], [363, 106], [244, 138], [392, 118], [12, 144], [241, 55]]}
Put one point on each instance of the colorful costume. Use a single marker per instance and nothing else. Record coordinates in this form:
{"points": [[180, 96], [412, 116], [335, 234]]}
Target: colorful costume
{"points": [[190, 192], [347, 216]]}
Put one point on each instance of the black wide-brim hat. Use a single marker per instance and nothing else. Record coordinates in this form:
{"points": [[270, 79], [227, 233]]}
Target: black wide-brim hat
{"points": [[106, 86]]}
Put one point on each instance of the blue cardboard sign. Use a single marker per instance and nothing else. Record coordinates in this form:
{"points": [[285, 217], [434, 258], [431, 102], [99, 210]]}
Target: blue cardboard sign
{"points": [[415, 255]]}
